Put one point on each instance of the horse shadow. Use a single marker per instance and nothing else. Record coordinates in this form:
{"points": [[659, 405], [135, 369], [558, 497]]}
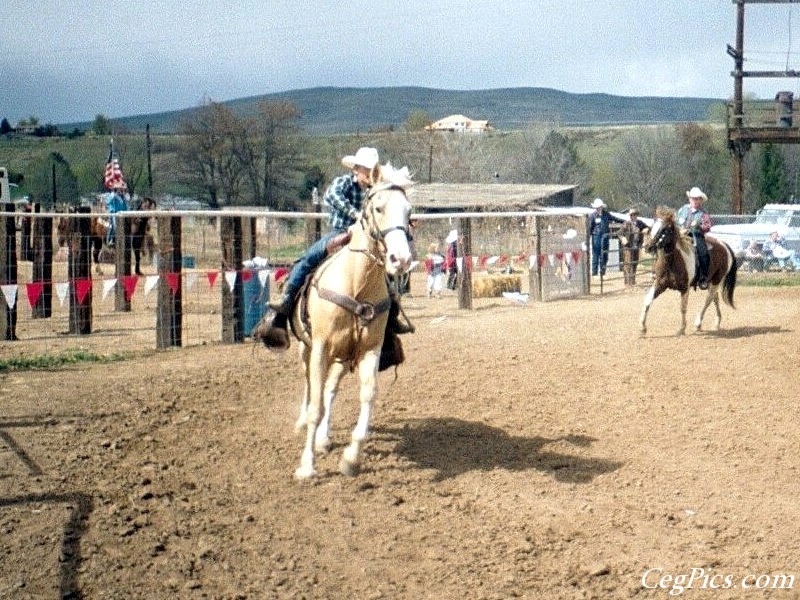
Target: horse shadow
{"points": [[452, 447], [746, 332]]}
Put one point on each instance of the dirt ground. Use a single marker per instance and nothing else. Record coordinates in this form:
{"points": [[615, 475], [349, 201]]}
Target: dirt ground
{"points": [[532, 451]]}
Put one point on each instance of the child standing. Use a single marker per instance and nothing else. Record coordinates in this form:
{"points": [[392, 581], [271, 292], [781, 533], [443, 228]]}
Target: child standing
{"points": [[434, 267]]}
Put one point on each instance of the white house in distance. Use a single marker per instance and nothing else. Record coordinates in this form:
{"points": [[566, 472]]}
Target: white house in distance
{"points": [[459, 123]]}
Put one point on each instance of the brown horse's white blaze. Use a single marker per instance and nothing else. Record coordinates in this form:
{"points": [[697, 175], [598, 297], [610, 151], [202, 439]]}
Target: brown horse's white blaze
{"points": [[675, 269], [339, 339]]}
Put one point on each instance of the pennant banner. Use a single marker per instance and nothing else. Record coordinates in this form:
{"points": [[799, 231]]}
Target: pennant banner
{"points": [[10, 294], [150, 283], [108, 284], [34, 292]]}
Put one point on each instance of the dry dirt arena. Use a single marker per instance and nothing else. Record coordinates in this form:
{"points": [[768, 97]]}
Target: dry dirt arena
{"points": [[524, 451]]}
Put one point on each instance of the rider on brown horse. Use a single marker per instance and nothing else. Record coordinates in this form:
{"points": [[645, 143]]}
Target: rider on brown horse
{"points": [[694, 219]]}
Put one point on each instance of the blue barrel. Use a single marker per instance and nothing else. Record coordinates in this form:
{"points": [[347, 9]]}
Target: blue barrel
{"points": [[255, 301]]}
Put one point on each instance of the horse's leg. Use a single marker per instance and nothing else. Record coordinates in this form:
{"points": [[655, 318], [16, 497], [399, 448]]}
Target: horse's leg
{"points": [[651, 295], [684, 306], [322, 443], [317, 368], [711, 296], [302, 415], [368, 375]]}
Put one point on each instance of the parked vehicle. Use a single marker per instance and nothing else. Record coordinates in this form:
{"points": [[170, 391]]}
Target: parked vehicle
{"points": [[783, 218]]}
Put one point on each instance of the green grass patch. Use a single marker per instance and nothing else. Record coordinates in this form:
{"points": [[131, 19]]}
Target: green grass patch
{"points": [[50, 362], [769, 280]]}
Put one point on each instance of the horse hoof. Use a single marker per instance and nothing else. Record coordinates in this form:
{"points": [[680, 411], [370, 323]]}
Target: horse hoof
{"points": [[322, 446], [348, 468], [305, 473]]}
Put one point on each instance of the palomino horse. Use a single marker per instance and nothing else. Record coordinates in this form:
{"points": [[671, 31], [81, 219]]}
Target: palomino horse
{"points": [[675, 269], [97, 235], [346, 311]]}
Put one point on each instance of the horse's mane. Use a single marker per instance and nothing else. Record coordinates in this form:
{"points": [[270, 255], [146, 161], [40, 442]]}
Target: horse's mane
{"points": [[388, 175], [667, 216]]}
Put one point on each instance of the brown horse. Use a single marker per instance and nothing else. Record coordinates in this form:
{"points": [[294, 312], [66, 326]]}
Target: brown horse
{"points": [[342, 318], [675, 269], [97, 235]]}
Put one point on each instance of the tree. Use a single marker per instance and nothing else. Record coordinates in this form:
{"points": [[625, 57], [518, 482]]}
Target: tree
{"points": [[267, 148], [5, 126], [102, 125], [417, 120], [40, 184], [211, 164], [646, 168], [773, 185]]}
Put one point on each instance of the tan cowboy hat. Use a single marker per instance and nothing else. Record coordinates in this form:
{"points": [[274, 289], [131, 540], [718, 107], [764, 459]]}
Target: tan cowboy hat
{"points": [[696, 192], [598, 203], [365, 157], [451, 237]]}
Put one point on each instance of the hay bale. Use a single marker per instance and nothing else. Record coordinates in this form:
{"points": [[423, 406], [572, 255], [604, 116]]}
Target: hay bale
{"points": [[493, 286]]}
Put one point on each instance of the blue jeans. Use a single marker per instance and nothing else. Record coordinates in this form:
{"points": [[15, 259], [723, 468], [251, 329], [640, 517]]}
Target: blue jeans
{"points": [[308, 262], [600, 245]]}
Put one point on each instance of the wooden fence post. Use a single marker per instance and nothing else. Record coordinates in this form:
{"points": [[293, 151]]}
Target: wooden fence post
{"points": [[79, 273], [8, 264], [230, 232], [42, 271], [465, 290], [169, 315]]}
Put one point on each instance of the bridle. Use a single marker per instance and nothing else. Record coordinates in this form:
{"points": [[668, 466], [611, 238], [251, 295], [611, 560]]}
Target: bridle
{"points": [[664, 239], [369, 221]]}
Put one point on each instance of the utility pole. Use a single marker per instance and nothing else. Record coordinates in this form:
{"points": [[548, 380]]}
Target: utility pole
{"points": [[743, 132]]}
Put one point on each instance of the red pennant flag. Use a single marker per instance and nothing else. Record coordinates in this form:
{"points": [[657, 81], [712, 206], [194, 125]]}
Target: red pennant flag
{"points": [[467, 263], [502, 260], [34, 291], [576, 255], [82, 288], [521, 256], [173, 281], [482, 262], [560, 256], [246, 276], [129, 283], [540, 260], [212, 277]]}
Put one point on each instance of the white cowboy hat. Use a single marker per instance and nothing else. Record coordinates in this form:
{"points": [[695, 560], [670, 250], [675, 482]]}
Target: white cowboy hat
{"points": [[451, 237], [365, 157], [696, 192], [598, 203]]}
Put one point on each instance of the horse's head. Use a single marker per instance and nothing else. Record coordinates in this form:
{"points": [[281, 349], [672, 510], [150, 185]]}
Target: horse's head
{"points": [[386, 213], [663, 233]]}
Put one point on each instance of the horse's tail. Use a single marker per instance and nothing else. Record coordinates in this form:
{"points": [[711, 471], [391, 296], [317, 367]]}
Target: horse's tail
{"points": [[729, 284]]}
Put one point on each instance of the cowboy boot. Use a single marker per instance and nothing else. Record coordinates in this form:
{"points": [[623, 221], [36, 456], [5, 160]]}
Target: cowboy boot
{"points": [[391, 352], [273, 329], [394, 325]]}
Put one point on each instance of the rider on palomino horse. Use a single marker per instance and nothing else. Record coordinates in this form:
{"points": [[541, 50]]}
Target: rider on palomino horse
{"points": [[344, 199]]}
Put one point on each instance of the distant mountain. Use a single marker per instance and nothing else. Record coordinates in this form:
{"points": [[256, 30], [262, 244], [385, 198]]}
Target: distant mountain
{"points": [[328, 110]]}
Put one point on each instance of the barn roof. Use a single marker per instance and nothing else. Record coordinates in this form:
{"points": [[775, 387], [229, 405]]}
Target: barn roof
{"points": [[443, 197]]}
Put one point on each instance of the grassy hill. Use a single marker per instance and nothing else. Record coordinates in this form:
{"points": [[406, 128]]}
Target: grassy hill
{"points": [[328, 110]]}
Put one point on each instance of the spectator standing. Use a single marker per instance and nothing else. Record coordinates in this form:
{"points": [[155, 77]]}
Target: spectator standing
{"points": [[434, 267], [630, 241], [600, 232]]}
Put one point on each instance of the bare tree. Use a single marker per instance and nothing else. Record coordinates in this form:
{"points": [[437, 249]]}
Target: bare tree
{"points": [[647, 167]]}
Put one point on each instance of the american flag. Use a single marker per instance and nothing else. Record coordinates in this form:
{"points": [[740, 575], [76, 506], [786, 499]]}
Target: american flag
{"points": [[113, 175]]}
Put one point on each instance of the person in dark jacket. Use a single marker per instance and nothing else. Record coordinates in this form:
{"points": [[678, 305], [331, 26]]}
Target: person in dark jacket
{"points": [[600, 232]]}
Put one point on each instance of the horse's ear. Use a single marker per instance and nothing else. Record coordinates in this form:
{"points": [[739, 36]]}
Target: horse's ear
{"points": [[375, 174]]}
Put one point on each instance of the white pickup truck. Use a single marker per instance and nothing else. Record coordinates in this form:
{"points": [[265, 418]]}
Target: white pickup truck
{"points": [[783, 218]]}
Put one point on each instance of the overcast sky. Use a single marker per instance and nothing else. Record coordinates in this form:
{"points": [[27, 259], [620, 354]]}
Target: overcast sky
{"points": [[67, 60]]}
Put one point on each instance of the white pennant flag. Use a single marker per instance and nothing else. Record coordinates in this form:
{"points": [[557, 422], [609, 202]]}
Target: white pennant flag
{"points": [[459, 263], [551, 258], [10, 293], [107, 285], [263, 275], [191, 279], [491, 260], [150, 283], [230, 277], [533, 263], [61, 292], [568, 258]]}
